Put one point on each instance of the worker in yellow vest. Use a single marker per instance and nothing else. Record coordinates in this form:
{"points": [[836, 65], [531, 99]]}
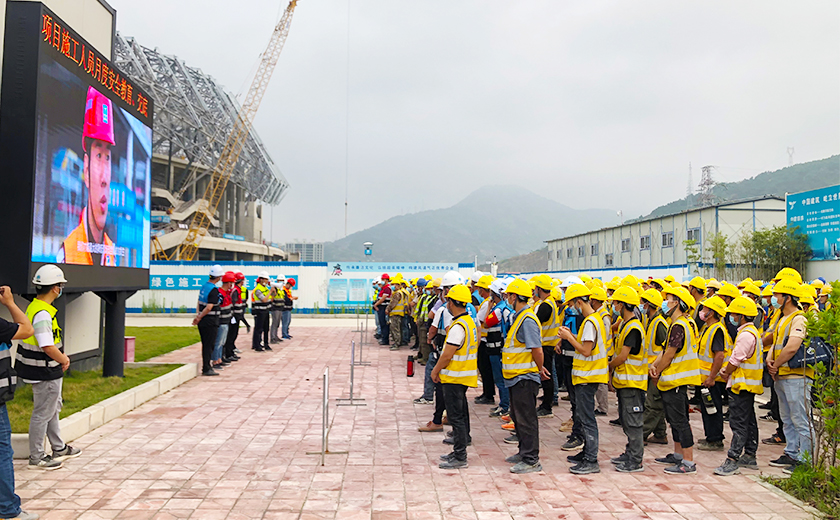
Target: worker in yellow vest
{"points": [[713, 352], [590, 368], [598, 300], [793, 385], [629, 378], [488, 394], [457, 369], [522, 370], [823, 304], [743, 373], [677, 369], [656, 335], [545, 308], [770, 322], [396, 311]]}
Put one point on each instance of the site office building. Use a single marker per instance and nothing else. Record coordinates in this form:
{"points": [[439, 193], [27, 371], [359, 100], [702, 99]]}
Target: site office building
{"points": [[656, 246]]}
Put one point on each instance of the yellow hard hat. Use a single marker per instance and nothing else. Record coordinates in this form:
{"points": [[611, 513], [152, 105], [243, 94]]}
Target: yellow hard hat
{"points": [[675, 284], [625, 294], [727, 289], [428, 277], [811, 290], [682, 294], [519, 287], [616, 279], [744, 282], [714, 284], [789, 273], [630, 280], [653, 296], [670, 279], [484, 282], [585, 278], [787, 287], [826, 289], [662, 283], [698, 283], [768, 290], [717, 304], [577, 290], [543, 281], [817, 283], [806, 298], [459, 293], [744, 306], [557, 293], [751, 288], [435, 282], [532, 284], [598, 282], [589, 284], [598, 293], [613, 285]]}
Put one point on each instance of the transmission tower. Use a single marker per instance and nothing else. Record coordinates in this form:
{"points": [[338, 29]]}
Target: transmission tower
{"points": [[707, 184], [689, 191], [790, 151]]}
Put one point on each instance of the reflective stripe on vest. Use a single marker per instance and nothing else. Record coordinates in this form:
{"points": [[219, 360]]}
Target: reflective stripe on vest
{"points": [[685, 367], [633, 373], [595, 367], [604, 312], [399, 303], [653, 350], [780, 336], [771, 327], [463, 367], [704, 352], [549, 329], [748, 375], [516, 356], [256, 303]]}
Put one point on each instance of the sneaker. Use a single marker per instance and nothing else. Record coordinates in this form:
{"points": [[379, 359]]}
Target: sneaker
{"points": [[621, 459], [498, 412], [266, 347], [576, 458], [512, 439], [524, 467], [450, 433], [728, 468], [431, 427], [629, 467], [653, 439], [774, 440], [236, 350], [783, 461], [615, 422], [670, 459], [218, 366], [423, 400], [484, 400], [599, 412], [23, 515], [704, 445], [567, 426], [767, 417], [46, 463], [451, 441], [555, 402], [258, 349], [448, 456], [565, 398], [514, 459], [209, 372], [747, 462], [542, 413], [765, 406], [453, 464], [394, 347], [505, 417], [509, 427], [69, 452], [681, 469], [585, 468], [790, 469], [572, 445]]}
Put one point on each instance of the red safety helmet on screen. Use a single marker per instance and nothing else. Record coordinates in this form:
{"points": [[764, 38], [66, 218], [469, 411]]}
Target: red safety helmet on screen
{"points": [[99, 118], [291, 282], [228, 277]]}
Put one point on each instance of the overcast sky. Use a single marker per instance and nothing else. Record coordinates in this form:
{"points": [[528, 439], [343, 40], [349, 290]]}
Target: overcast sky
{"points": [[591, 103]]}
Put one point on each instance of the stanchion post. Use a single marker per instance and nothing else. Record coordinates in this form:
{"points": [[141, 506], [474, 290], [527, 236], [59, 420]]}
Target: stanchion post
{"points": [[351, 399], [325, 422]]}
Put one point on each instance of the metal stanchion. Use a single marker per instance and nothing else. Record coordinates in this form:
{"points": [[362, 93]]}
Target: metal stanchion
{"points": [[325, 422], [352, 400]]}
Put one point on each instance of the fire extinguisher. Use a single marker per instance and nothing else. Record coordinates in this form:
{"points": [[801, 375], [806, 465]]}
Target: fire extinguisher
{"points": [[410, 369]]}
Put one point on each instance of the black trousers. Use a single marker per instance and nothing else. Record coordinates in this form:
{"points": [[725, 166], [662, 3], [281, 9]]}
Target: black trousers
{"points": [[486, 371], [260, 337], [523, 412], [631, 412], [233, 333], [675, 401], [208, 332], [774, 400], [743, 424], [713, 423], [548, 384], [384, 325], [566, 366], [458, 413]]}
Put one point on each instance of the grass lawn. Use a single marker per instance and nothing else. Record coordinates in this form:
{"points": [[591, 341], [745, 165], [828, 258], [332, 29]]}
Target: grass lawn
{"points": [[156, 341], [80, 390]]}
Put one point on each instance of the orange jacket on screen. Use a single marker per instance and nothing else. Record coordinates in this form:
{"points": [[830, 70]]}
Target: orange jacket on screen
{"points": [[72, 255]]}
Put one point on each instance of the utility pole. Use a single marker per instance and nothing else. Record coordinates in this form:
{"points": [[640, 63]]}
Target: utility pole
{"points": [[790, 151], [347, 127], [707, 184]]}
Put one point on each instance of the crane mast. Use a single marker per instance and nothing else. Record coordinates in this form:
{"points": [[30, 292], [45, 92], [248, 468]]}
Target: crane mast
{"points": [[200, 223]]}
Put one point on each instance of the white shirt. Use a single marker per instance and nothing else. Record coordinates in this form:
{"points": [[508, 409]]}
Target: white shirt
{"points": [[456, 335], [447, 318], [590, 332]]}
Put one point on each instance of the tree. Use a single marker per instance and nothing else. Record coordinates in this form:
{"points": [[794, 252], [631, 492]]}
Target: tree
{"points": [[692, 255], [719, 247], [769, 250]]}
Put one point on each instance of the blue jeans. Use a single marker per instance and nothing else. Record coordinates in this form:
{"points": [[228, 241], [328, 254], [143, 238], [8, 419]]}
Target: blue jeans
{"points": [[286, 319], [498, 378], [9, 501], [428, 384], [795, 411], [221, 336]]}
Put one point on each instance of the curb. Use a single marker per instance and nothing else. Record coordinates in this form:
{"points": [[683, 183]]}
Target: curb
{"points": [[92, 417], [787, 496]]}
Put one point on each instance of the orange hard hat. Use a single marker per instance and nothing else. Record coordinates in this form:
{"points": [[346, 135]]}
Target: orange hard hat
{"points": [[99, 118]]}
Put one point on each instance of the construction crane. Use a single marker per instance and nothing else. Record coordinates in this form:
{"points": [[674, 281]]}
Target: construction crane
{"points": [[200, 223]]}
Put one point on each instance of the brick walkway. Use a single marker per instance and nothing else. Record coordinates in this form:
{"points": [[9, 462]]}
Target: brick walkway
{"points": [[235, 447]]}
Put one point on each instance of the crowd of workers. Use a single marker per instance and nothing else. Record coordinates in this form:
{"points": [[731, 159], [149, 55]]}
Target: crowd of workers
{"points": [[660, 344]]}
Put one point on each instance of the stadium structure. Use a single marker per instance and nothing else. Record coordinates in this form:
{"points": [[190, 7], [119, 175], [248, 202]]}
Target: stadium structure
{"points": [[193, 117]]}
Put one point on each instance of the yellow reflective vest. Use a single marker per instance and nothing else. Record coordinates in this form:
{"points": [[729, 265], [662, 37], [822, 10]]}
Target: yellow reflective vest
{"points": [[633, 373], [516, 356], [608, 338], [771, 327], [463, 367], [685, 367], [593, 368], [780, 337], [653, 350], [707, 335], [398, 299], [747, 376], [549, 330]]}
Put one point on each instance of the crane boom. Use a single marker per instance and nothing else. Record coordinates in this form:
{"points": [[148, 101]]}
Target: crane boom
{"points": [[200, 223]]}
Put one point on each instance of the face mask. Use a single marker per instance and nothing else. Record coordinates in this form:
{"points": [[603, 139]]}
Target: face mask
{"points": [[572, 311], [60, 292], [733, 321], [704, 315], [642, 309], [665, 308], [775, 302]]}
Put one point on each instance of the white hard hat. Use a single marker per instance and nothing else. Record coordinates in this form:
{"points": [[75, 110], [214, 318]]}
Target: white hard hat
{"points": [[451, 279], [280, 278], [216, 271], [264, 274], [569, 281], [49, 274], [476, 276], [498, 286]]}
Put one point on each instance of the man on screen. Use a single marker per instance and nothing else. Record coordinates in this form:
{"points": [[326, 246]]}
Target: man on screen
{"points": [[88, 243]]}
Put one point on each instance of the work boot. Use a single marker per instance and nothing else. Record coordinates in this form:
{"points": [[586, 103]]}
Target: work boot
{"points": [[524, 467], [453, 464], [585, 468], [705, 445], [728, 468], [431, 427], [747, 462]]}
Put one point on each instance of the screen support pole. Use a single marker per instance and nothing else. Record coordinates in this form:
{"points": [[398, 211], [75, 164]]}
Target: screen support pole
{"points": [[113, 353]]}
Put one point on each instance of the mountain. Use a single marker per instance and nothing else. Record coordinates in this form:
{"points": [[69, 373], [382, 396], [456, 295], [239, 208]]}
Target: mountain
{"points": [[478, 225], [527, 263], [793, 179]]}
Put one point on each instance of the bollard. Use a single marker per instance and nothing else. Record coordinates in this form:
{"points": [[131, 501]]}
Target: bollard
{"points": [[352, 399], [325, 422], [362, 330]]}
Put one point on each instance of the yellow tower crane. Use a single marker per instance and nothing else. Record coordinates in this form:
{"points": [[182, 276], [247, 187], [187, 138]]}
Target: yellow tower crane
{"points": [[188, 249]]}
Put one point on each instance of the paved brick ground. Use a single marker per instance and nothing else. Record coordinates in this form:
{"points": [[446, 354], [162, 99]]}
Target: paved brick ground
{"points": [[235, 447]]}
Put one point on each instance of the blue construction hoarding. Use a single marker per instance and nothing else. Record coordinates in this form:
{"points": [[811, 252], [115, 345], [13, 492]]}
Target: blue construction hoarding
{"points": [[817, 214]]}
